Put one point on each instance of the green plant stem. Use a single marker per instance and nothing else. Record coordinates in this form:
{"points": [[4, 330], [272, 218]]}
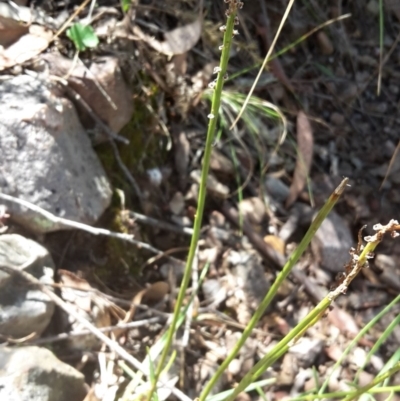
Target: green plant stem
{"points": [[275, 286], [355, 341], [357, 262], [341, 394], [281, 348], [375, 382], [213, 118]]}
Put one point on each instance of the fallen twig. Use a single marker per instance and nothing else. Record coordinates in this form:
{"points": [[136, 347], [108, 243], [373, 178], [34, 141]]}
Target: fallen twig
{"points": [[66, 336], [141, 218], [79, 226]]}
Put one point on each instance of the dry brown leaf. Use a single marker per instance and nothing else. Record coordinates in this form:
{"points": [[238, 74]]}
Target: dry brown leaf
{"points": [[28, 46], [344, 322], [277, 243], [154, 293], [177, 41], [180, 64], [10, 31], [325, 44], [304, 157], [73, 295]]}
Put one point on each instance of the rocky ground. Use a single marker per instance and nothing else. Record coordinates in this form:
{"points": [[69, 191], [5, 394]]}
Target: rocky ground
{"points": [[101, 153]]}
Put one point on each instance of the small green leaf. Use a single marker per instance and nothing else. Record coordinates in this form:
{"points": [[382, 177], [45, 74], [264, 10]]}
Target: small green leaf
{"points": [[83, 36], [126, 4]]}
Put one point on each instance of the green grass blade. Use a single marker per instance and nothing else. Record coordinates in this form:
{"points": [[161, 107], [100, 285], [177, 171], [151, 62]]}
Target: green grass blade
{"points": [[274, 288], [213, 118]]}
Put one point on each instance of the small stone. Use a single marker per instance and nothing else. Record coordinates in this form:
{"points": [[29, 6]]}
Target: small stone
{"points": [[182, 221], [307, 350], [348, 92], [332, 242], [324, 43], [252, 209], [277, 92], [380, 108], [275, 242], [24, 310], [220, 163], [288, 370], [234, 367], [177, 203], [366, 59], [155, 176], [217, 219], [213, 185], [394, 89], [276, 188], [373, 7], [362, 77], [337, 119]]}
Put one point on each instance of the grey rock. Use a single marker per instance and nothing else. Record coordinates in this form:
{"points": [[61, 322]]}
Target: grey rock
{"points": [[332, 242], [253, 210], [23, 309], [33, 373], [307, 350], [46, 157], [248, 278], [276, 189]]}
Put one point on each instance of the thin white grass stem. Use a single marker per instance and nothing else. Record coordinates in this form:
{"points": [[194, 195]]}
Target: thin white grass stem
{"points": [[266, 59]]}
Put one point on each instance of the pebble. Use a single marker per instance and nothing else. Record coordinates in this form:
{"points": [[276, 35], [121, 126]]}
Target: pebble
{"points": [[337, 119], [348, 92], [324, 43], [276, 188], [373, 7], [24, 310], [380, 108], [253, 210], [332, 242], [177, 203]]}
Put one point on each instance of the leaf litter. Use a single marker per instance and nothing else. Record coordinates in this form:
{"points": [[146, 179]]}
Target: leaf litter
{"points": [[347, 139]]}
